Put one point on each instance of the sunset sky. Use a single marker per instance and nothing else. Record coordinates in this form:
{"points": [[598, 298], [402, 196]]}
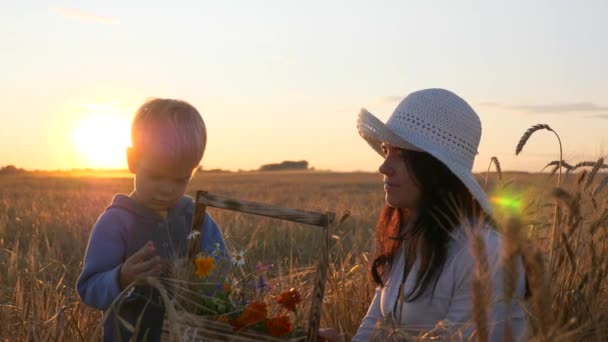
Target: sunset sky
{"points": [[284, 80]]}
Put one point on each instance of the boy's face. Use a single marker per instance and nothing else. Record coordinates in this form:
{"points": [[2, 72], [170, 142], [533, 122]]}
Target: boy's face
{"points": [[159, 182]]}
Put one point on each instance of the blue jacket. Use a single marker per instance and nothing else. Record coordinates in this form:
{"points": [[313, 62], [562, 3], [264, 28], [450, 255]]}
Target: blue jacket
{"points": [[121, 230]]}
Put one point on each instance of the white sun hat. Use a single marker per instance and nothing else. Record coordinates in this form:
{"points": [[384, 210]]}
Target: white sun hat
{"points": [[435, 121]]}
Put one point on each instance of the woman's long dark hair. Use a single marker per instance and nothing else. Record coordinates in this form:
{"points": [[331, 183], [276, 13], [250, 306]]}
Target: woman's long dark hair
{"points": [[444, 205]]}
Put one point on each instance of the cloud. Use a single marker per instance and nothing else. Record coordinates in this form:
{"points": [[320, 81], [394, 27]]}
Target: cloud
{"points": [[599, 116], [562, 108], [391, 98], [575, 107], [84, 16], [490, 104]]}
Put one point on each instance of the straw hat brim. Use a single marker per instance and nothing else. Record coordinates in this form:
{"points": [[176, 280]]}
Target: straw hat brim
{"points": [[375, 132]]}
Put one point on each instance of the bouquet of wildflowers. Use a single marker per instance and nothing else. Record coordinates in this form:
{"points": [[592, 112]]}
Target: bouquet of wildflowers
{"points": [[229, 291], [224, 299]]}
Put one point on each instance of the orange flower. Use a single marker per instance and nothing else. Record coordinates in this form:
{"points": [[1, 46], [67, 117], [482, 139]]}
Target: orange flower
{"points": [[204, 266], [278, 326], [255, 312], [237, 323], [289, 299], [227, 287]]}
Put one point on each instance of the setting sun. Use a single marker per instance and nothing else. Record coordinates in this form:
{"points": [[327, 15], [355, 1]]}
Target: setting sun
{"points": [[101, 138]]}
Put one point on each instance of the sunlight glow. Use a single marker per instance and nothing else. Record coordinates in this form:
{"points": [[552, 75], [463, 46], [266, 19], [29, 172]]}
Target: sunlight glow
{"points": [[101, 136]]}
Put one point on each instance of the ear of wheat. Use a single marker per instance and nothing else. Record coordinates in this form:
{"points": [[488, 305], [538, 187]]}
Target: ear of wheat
{"points": [[581, 177], [497, 165], [589, 163], [599, 163], [556, 163], [600, 186], [524, 138], [602, 220], [493, 160], [562, 195], [572, 203]]}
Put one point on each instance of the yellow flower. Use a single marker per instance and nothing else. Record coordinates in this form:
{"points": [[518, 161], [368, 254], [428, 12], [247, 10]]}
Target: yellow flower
{"points": [[204, 266]]}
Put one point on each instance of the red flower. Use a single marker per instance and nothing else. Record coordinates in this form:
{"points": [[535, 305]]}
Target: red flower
{"points": [[255, 312], [278, 326], [289, 299]]}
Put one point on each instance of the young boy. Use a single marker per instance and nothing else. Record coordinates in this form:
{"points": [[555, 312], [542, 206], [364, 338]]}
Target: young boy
{"points": [[136, 232]]}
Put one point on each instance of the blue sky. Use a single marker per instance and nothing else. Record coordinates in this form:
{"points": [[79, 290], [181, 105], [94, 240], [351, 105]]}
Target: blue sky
{"points": [[279, 80]]}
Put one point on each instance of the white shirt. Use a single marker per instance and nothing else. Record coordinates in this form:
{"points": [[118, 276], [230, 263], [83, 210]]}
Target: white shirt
{"points": [[451, 301]]}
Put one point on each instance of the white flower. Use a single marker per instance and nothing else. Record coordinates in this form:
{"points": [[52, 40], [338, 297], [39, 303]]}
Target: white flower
{"points": [[239, 259], [193, 234], [216, 249]]}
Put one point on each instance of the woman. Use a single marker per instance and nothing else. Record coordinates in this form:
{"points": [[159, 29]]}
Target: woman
{"points": [[424, 261]]}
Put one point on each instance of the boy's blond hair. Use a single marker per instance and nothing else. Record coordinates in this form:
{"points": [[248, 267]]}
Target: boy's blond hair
{"points": [[172, 128]]}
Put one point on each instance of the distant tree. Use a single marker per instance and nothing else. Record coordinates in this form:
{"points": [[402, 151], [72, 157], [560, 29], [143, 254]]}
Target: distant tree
{"points": [[218, 171], [286, 165], [11, 170]]}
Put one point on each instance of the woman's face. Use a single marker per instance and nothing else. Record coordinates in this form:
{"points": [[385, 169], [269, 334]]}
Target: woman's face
{"points": [[400, 186]]}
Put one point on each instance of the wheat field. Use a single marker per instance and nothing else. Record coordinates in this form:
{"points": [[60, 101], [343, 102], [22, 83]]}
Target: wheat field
{"points": [[45, 222]]}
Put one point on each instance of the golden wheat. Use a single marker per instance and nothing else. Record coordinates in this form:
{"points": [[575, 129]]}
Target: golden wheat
{"points": [[45, 223]]}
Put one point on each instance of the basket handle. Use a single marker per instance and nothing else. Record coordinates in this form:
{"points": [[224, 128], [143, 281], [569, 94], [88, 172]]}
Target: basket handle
{"points": [[196, 229], [314, 320]]}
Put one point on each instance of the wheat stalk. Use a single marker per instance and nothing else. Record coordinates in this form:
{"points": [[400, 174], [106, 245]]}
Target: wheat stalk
{"points": [[594, 170], [562, 195], [573, 205], [493, 160], [594, 225], [600, 186], [588, 163], [540, 292], [557, 163], [524, 138], [480, 288], [520, 145], [509, 260], [581, 177], [510, 254]]}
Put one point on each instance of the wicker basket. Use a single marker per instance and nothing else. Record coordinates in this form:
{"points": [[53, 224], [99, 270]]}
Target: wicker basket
{"points": [[184, 326]]}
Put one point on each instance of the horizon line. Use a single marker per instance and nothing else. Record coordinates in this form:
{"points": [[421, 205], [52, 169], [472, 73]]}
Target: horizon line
{"points": [[220, 170]]}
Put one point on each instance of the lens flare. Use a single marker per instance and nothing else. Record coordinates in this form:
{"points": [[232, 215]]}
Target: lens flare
{"points": [[507, 202]]}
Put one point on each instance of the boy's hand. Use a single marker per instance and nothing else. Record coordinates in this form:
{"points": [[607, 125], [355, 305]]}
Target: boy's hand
{"points": [[140, 265]]}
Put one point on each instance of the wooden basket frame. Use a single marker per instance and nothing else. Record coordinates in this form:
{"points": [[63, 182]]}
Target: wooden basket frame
{"points": [[204, 199]]}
